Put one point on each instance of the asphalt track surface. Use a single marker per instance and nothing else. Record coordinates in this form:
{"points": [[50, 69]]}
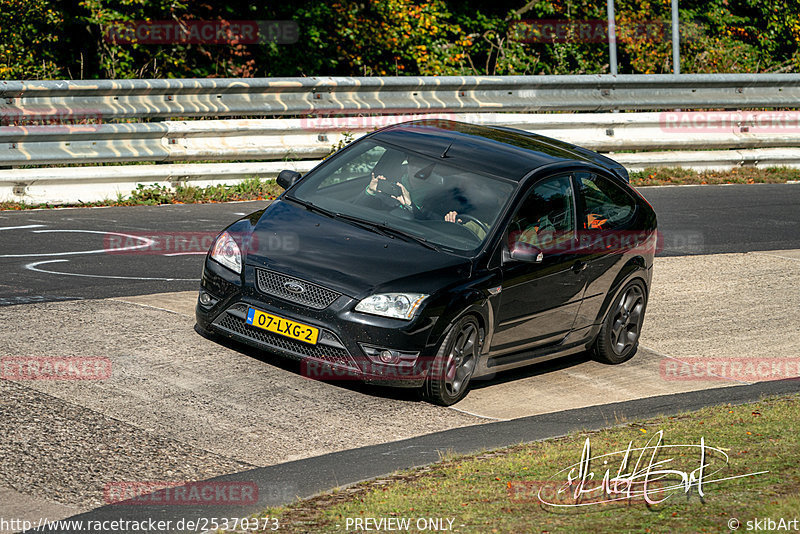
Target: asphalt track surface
{"points": [[692, 221], [60, 254]]}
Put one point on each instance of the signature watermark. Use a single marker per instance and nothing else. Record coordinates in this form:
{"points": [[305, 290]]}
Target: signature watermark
{"points": [[650, 474], [767, 524]]}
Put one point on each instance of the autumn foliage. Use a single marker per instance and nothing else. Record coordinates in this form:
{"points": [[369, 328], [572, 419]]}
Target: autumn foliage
{"points": [[42, 39]]}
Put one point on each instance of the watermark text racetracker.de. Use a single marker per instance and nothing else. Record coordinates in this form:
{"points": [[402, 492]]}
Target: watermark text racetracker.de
{"points": [[735, 369], [535, 31], [53, 120], [208, 493], [359, 120], [752, 122], [20, 368], [187, 243], [164, 32]]}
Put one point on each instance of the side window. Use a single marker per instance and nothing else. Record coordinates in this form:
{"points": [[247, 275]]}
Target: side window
{"points": [[606, 206], [358, 167], [546, 218]]}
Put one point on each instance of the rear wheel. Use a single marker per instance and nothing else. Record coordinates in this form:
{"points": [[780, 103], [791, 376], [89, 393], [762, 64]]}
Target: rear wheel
{"points": [[618, 339], [452, 369]]}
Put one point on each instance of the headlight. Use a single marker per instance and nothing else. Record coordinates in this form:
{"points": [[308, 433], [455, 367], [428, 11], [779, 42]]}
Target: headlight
{"points": [[396, 305], [226, 252]]}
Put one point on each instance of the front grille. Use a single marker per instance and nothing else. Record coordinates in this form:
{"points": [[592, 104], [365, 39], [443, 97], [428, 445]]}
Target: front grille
{"points": [[238, 326], [314, 296]]}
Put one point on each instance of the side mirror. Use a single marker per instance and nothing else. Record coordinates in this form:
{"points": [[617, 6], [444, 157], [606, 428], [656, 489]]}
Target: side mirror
{"points": [[287, 178], [521, 251]]}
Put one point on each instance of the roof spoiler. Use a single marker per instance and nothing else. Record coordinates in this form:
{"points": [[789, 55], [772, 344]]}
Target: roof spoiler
{"points": [[604, 161]]}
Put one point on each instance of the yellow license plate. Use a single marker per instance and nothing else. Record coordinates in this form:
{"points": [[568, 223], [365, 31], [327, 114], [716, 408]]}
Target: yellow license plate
{"points": [[282, 327]]}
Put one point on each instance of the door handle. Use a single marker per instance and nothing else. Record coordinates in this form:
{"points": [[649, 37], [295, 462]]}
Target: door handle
{"points": [[578, 266]]}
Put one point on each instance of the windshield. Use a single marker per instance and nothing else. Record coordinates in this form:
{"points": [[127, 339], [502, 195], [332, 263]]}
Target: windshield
{"points": [[394, 189]]}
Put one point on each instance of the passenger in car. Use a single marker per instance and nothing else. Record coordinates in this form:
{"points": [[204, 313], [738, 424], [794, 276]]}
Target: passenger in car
{"points": [[595, 222], [418, 189]]}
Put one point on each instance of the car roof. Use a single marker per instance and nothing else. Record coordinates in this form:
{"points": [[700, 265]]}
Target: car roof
{"points": [[501, 151]]}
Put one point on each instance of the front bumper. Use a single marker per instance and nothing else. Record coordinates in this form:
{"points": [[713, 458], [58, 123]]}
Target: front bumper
{"points": [[338, 353]]}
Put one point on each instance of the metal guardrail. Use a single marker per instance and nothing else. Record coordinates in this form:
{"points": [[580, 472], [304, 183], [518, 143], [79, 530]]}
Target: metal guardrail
{"points": [[358, 105], [113, 99], [301, 139]]}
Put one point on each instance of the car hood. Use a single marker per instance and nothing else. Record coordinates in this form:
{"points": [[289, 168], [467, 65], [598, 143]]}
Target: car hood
{"points": [[347, 258]]}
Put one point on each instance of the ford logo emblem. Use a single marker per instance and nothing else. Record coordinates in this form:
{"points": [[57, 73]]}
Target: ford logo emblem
{"points": [[294, 287]]}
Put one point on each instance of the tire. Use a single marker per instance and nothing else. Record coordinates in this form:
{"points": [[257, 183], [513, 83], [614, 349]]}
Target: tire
{"points": [[618, 339], [449, 377]]}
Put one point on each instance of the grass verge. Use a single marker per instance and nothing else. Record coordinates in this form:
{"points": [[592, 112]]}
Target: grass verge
{"points": [[150, 195], [257, 189], [743, 175], [496, 491]]}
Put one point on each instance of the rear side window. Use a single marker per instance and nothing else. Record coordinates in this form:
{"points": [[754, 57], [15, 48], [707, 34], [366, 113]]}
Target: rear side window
{"points": [[546, 218], [606, 206]]}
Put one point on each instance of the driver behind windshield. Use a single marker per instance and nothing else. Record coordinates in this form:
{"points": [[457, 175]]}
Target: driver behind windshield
{"points": [[415, 191]]}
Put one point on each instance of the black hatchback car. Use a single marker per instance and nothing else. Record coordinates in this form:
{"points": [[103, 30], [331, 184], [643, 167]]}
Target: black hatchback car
{"points": [[429, 253]]}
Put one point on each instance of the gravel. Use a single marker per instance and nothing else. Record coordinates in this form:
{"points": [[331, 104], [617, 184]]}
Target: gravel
{"points": [[67, 453]]}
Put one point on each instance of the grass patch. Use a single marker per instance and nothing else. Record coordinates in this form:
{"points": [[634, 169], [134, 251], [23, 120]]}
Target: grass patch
{"points": [[743, 175], [474, 490], [150, 195]]}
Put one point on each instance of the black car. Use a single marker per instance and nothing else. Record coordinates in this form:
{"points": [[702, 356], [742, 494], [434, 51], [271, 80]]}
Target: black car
{"points": [[432, 252]]}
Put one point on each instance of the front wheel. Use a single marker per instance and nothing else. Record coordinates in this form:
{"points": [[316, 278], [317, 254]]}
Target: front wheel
{"points": [[455, 362], [619, 336]]}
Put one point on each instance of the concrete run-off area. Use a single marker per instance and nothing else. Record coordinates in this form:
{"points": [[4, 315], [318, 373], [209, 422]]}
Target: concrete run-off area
{"points": [[177, 407], [737, 309]]}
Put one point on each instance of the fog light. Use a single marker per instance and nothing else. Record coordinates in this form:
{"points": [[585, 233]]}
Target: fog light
{"points": [[387, 356], [207, 299], [380, 355]]}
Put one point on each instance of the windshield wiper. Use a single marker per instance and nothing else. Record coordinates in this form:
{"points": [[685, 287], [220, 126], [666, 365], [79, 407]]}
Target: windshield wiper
{"points": [[421, 240], [388, 231], [313, 207], [385, 230], [379, 228], [362, 223]]}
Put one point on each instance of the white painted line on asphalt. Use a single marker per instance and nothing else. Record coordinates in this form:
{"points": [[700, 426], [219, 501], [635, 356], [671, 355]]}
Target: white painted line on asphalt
{"points": [[150, 306], [185, 253], [146, 243], [35, 267], [21, 227], [478, 415], [774, 255]]}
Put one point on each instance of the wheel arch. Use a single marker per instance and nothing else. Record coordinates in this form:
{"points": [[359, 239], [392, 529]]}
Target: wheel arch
{"points": [[473, 303], [635, 267]]}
